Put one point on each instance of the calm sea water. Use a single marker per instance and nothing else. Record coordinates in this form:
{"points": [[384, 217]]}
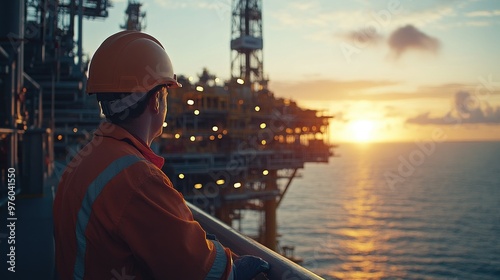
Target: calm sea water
{"points": [[397, 211]]}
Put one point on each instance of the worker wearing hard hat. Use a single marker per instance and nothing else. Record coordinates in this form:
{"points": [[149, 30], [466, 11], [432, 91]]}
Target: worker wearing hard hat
{"points": [[116, 214]]}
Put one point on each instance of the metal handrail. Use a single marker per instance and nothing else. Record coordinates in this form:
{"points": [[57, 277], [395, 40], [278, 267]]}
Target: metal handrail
{"points": [[281, 267]]}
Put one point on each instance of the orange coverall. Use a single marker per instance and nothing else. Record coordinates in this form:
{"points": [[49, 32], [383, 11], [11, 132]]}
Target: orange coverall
{"points": [[117, 216]]}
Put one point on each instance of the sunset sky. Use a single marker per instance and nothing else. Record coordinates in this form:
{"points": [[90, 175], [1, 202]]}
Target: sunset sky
{"points": [[391, 70]]}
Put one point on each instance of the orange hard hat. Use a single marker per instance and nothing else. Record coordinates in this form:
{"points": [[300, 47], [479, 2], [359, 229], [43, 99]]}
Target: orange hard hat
{"points": [[130, 62]]}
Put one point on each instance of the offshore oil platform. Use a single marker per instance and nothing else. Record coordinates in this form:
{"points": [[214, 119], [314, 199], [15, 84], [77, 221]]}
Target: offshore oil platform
{"points": [[230, 146]]}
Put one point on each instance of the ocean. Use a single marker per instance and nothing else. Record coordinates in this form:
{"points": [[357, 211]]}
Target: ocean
{"points": [[398, 211]]}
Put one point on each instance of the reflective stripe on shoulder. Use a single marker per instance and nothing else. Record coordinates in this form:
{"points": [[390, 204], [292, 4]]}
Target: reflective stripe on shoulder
{"points": [[92, 193], [220, 262]]}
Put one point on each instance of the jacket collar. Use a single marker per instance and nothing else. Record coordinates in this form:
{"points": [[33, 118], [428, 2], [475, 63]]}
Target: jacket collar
{"points": [[107, 129]]}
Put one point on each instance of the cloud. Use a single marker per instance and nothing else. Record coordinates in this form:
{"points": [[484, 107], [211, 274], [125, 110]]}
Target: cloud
{"points": [[364, 36], [408, 37], [324, 89], [483, 13], [468, 109], [355, 90]]}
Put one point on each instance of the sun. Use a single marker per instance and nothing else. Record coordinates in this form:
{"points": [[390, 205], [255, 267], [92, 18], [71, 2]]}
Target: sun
{"points": [[362, 130]]}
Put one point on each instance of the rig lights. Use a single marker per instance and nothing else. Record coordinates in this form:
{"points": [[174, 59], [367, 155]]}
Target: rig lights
{"points": [[240, 81], [257, 108], [212, 138], [198, 186], [215, 128], [219, 136], [237, 185], [265, 172], [165, 124], [59, 137], [192, 138], [181, 176], [196, 112], [177, 136], [263, 142], [199, 88], [263, 125], [75, 130], [190, 102], [220, 182]]}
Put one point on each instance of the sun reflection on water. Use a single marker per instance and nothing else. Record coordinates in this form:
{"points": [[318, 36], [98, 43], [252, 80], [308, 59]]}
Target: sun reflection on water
{"points": [[361, 240]]}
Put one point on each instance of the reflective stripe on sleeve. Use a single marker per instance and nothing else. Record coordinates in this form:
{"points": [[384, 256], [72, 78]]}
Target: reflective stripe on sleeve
{"points": [[92, 193], [220, 262]]}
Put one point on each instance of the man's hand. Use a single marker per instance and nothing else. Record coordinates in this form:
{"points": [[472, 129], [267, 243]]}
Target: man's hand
{"points": [[247, 267]]}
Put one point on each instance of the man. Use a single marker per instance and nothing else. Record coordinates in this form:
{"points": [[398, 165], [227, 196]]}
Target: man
{"points": [[116, 214]]}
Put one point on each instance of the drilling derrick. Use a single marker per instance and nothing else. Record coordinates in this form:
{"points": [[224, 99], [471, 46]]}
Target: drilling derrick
{"points": [[134, 18], [246, 41]]}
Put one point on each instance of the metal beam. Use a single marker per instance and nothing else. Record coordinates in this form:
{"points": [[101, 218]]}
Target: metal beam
{"points": [[286, 187]]}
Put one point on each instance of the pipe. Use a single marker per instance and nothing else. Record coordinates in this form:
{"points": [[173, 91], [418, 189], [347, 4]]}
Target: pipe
{"points": [[40, 107], [4, 53], [281, 267]]}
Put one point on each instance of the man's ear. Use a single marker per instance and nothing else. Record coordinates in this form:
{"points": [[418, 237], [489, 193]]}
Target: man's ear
{"points": [[154, 103]]}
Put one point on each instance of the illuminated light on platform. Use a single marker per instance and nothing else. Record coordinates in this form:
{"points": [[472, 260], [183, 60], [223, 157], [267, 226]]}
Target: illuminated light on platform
{"points": [[237, 185], [240, 81], [165, 124], [198, 186], [305, 129], [263, 125], [224, 131], [181, 176], [75, 130], [286, 102], [212, 137], [314, 128], [298, 130], [241, 102], [192, 138], [59, 137], [289, 130], [215, 128], [265, 172], [263, 142], [217, 80], [219, 136], [257, 108], [196, 112], [190, 102], [190, 78], [177, 136], [220, 182], [199, 88]]}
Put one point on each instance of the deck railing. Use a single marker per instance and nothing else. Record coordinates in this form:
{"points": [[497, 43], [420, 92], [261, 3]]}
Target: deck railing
{"points": [[281, 267]]}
